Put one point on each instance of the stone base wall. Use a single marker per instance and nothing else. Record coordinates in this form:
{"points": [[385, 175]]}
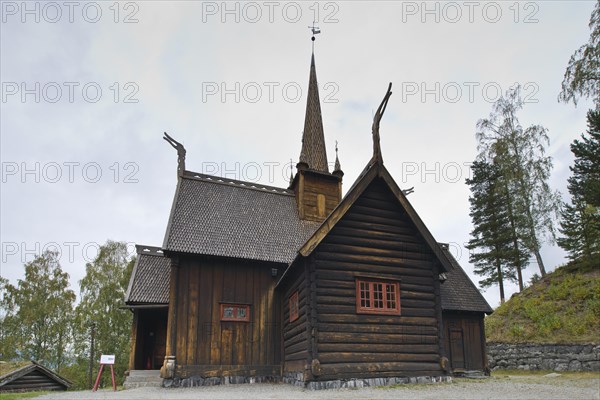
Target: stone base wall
{"points": [[360, 383], [297, 379], [194, 381], [555, 357]]}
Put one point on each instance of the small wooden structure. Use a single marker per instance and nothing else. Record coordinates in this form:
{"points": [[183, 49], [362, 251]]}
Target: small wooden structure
{"points": [[31, 376], [257, 283]]}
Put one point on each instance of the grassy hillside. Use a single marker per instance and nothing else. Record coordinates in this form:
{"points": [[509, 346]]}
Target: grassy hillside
{"points": [[564, 307]]}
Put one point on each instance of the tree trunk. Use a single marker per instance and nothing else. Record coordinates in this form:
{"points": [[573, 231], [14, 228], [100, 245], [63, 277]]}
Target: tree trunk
{"points": [[515, 241], [500, 281], [538, 258]]}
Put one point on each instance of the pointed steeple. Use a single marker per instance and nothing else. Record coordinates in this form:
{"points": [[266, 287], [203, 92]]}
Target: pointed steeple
{"points": [[313, 154]]}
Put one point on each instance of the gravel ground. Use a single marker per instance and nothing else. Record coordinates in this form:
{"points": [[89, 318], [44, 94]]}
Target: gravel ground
{"points": [[515, 387]]}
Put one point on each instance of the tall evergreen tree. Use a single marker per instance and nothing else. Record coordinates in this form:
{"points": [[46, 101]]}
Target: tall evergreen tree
{"points": [[520, 155], [491, 244], [37, 313], [580, 222]]}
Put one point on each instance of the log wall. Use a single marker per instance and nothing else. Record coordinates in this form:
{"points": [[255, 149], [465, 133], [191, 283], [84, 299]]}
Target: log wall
{"points": [[375, 239]]}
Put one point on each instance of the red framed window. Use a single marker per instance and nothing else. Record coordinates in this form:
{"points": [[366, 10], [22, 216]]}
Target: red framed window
{"points": [[377, 297], [235, 312], [294, 306]]}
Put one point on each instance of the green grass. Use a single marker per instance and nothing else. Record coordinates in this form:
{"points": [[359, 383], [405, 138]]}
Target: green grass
{"points": [[23, 395], [9, 366], [564, 307]]}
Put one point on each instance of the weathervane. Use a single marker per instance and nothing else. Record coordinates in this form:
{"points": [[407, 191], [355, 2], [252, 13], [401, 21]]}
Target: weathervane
{"points": [[315, 31]]}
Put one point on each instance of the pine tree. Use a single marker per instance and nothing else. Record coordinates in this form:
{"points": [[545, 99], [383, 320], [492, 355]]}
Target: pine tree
{"points": [[491, 243], [580, 222]]}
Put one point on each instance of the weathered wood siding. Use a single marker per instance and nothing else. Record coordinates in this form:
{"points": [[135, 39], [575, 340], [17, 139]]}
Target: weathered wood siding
{"points": [[465, 340], [34, 380], [295, 334], [317, 195], [207, 346], [375, 239]]}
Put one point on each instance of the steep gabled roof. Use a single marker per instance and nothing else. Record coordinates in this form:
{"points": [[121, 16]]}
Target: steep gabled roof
{"points": [[149, 282], [50, 380], [458, 292], [373, 170], [229, 218]]}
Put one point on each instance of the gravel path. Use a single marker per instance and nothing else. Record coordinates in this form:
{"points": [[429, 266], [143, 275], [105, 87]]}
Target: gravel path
{"points": [[517, 387]]}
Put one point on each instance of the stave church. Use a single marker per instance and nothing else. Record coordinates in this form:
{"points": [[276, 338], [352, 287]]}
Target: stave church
{"points": [[302, 285]]}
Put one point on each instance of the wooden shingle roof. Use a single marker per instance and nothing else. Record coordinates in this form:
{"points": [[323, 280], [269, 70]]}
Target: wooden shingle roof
{"points": [[458, 292], [313, 152], [228, 218], [149, 283]]}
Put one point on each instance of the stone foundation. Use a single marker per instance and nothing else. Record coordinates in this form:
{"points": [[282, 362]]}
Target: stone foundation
{"points": [[555, 357], [297, 379], [194, 381]]}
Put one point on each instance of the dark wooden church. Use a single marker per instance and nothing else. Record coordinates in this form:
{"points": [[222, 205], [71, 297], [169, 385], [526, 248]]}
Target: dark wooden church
{"points": [[301, 285]]}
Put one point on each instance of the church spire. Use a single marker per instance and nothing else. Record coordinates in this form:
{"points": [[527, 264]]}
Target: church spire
{"points": [[313, 154]]}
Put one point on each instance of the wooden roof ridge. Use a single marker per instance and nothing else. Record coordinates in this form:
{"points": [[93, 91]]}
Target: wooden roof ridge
{"points": [[149, 250], [19, 372], [313, 152], [374, 169], [238, 183]]}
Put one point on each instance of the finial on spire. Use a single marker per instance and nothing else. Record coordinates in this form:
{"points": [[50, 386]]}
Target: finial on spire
{"points": [[337, 169], [376, 120], [315, 31], [291, 172]]}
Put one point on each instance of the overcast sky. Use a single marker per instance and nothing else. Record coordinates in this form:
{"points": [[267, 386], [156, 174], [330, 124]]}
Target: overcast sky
{"points": [[88, 88]]}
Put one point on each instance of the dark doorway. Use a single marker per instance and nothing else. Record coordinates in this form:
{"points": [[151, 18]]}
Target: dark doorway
{"points": [[457, 349], [151, 338], [465, 341]]}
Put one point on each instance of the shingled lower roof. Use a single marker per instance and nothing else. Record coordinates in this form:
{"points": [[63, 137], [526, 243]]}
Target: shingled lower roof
{"points": [[458, 291], [149, 283], [228, 218]]}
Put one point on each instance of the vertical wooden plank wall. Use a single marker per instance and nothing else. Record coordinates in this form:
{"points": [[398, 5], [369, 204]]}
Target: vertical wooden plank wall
{"points": [[208, 346]]}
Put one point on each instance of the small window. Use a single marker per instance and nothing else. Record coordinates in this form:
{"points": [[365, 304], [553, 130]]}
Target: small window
{"points": [[377, 297], [294, 306], [235, 312]]}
